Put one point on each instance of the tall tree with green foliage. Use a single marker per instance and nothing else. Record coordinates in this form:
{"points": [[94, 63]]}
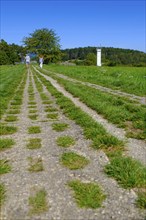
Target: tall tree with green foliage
{"points": [[44, 42], [9, 53]]}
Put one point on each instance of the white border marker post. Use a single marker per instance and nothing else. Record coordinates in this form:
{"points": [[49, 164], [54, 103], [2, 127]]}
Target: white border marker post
{"points": [[98, 56]]}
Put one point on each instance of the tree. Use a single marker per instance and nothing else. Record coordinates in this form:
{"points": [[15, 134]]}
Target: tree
{"points": [[9, 54], [44, 42], [90, 59]]}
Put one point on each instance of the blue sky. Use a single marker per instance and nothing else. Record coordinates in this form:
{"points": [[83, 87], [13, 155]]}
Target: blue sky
{"points": [[81, 23]]}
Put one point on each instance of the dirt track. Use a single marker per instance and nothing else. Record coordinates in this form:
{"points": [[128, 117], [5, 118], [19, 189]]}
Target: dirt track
{"points": [[20, 183]]}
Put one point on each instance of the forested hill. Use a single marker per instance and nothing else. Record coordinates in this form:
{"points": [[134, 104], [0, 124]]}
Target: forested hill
{"points": [[110, 56]]}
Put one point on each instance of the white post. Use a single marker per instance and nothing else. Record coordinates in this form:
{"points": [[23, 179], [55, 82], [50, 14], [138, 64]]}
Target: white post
{"points": [[98, 57]]}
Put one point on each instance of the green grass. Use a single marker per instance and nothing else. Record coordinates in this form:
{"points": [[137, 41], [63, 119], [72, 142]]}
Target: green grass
{"points": [[65, 141], [32, 111], [127, 79], [34, 143], [74, 161], [35, 164], [15, 107], [6, 143], [44, 96], [4, 167], [34, 130], [11, 118], [92, 130], [87, 195], [4, 129], [2, 194], [11, 77], [59, 126], [31, 103], [33, 117], [16, 102], [128, 172], [141, 201], [50, 109], [118, 110], [52, 115], [38, 202], [15, 111], [47, 102], [32, 106]]}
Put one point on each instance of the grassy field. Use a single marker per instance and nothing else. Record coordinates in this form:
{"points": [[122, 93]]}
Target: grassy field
{"points": [[128, 172], [11, 77], [127, 79], [118, 110]]}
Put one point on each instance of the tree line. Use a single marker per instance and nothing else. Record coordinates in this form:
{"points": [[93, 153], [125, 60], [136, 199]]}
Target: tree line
{"points": [[45, 42], [110, 56]]}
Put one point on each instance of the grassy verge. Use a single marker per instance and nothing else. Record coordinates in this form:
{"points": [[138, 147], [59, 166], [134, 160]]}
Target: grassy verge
{"points": [[10, 80], [88, 195], [118, 110], [127, 79]]}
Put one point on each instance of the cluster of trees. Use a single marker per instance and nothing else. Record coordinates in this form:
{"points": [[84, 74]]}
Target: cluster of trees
{"points": [[42, 42], [110, 56], [45, 42], [10, 53]]}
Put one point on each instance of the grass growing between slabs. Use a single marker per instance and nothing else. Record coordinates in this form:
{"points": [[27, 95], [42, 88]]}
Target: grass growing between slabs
{"points": [[38, 202], [4, 166], [59, 126], [15, 111], [5, 130], [33, 117], [2, 194], [73, 161], [52, 115], [6, 143], [35, 164], [65, 141], [11, 118], [34, 143], [34, 130], [141, 201], [112, 146], [87, 195]]}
